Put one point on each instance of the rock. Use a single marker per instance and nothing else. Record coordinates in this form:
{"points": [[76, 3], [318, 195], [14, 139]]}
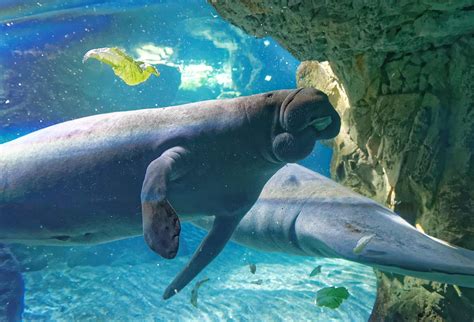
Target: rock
{"points": [[11, 287], [407, 137]]}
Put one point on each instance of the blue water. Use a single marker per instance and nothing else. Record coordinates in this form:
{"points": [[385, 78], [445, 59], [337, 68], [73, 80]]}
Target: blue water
{"points": [[130, 284], [43, 81]]}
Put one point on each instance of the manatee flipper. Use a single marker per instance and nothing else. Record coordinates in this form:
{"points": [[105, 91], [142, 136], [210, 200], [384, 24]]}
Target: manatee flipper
{"points": [[210, 247], [161, 226]]}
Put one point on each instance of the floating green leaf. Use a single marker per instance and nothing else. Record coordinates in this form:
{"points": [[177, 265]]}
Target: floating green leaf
{"points": [[194, 292], [315, 271], [331, 297], [130, 71], [362, 243]]}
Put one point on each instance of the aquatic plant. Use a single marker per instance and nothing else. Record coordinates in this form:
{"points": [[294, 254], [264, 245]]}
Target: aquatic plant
{"points": [[132, 72], [194, 292], [331, 297], [315, 271]]}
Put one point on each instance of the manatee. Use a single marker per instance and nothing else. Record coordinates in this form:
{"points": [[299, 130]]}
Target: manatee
{"points": [[301, 212], [88, 180]]}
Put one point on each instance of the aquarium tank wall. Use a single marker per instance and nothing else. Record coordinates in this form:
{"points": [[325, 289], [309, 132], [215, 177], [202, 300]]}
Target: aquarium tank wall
{"points": [[399, 75]]}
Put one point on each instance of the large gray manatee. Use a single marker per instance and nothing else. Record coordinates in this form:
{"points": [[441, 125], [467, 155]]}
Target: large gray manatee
{"points": [[304, 213], [86, 180]]}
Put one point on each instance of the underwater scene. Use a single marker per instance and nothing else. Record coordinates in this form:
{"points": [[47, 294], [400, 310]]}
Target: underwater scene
{"points": [[195, 160]]}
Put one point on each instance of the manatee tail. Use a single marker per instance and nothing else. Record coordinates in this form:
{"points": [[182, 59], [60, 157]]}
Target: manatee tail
{"points": [[11, 287], [398, 247], [210, 247]]}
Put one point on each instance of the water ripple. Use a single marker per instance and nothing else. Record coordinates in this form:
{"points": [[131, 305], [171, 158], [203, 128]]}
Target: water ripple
{"points": [[124, 292]]}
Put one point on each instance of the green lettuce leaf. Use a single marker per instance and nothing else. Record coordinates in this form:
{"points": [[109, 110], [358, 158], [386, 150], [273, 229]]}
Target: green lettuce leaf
{"points": [[194, 292], [331, 297], [130, 71], [362, 243], [315, 271]]}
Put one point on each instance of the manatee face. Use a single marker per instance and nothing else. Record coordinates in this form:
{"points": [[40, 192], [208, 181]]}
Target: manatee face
{"points": [[305, 116]]}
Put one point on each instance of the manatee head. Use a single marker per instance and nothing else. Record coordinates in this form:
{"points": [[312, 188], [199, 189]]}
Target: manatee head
{"points": [[304, 117]]}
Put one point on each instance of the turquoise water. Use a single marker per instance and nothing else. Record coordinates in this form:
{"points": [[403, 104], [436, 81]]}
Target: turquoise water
{"points": [[43, 81], [125, 281]]}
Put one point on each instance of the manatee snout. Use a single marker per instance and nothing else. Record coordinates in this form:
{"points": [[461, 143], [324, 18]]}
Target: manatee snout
{"points": [[309, 108], [306, 115]]}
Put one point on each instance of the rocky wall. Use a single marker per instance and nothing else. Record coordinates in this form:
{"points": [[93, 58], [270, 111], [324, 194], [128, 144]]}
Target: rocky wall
{"points": [[401, 75]]}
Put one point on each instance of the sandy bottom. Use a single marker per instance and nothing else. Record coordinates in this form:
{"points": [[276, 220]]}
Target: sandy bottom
{"points": [[123, 281]]}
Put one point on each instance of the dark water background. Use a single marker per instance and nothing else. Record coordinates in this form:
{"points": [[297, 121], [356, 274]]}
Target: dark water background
{"points": [[43, 81]]}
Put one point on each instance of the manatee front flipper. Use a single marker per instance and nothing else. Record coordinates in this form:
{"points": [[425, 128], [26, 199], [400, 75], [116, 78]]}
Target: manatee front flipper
{"points": [[210, 247], [161, 226]]}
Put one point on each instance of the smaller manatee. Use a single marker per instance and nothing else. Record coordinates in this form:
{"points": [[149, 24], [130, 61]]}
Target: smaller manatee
{"points": [[194, 292]]}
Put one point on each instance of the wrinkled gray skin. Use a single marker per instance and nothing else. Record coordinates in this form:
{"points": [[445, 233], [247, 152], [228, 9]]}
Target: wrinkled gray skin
{"points": [[304, 213], [84, 181]]}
